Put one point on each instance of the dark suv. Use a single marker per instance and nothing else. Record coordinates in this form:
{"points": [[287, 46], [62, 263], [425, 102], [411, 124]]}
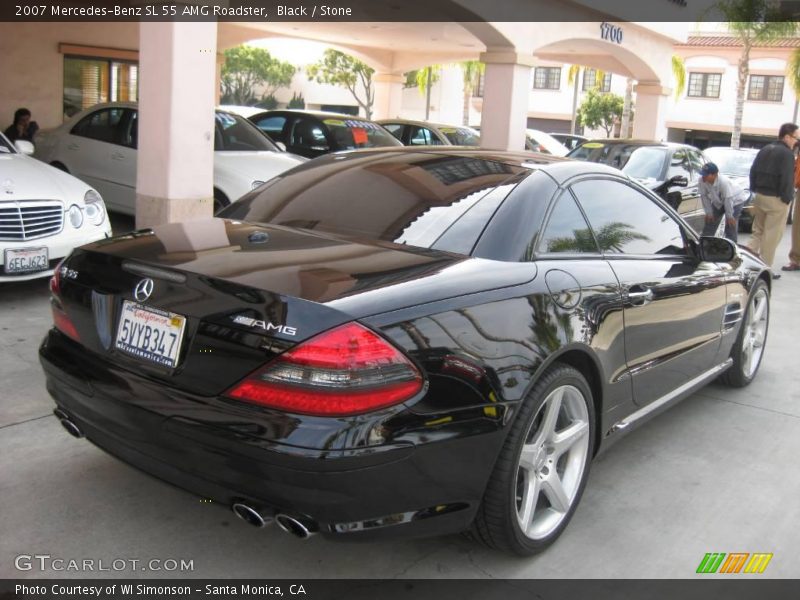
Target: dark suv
{"points": [[670, 170]]}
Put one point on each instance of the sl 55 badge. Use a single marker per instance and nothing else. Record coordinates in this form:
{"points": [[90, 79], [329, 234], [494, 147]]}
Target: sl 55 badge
{"points": [[265, 325]]}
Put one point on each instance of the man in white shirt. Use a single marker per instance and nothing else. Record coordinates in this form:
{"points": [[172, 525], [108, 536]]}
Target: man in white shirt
{"points": [[721, 197]]}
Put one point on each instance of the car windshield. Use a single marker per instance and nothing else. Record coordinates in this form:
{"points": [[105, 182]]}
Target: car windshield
{"points": [[731, 162], [352, 134], [461, 136], [236, 134], [640, 162], [5, 145], [546, 143], [407, 199]]}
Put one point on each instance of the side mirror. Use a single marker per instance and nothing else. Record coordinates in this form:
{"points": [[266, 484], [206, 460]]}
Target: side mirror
{"points": [[24, 147], [281, 145], [714, 249], [679, 180]]}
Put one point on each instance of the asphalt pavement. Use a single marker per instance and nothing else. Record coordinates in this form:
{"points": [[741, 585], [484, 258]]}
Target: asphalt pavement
{"points": [[716, 473]]}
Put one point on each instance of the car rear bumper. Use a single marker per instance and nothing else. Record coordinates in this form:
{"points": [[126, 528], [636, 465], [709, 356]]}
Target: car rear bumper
{"points": [[401, 489]]}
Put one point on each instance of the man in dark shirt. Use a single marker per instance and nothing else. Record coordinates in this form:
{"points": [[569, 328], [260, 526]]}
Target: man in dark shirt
{"points": [[772, 181], [23, 128]]}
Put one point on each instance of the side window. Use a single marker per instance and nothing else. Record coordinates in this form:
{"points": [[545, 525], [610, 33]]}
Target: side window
{"points": [[308, 133], [697, 161], [273, 126], [130, 130], [396, 129], [421, 136], [626, 221], [566, 230], [102, 125], [679, 165]]}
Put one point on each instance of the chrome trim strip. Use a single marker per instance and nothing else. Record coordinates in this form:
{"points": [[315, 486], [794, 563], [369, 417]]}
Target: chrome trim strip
{"points": [[154, 272], [667, 398]]}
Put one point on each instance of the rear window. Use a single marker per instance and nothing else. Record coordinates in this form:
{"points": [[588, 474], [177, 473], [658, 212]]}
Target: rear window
{"points": [[352, 134], [412, 199]]}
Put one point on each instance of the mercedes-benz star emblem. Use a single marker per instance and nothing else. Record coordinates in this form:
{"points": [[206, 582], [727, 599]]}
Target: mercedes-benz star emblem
{"points": [[143, 290]]}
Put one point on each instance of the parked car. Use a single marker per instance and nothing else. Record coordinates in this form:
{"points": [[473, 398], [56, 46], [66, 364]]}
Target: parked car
{"points": [[44, 214], [570, 140], [401, 342], [670, 170], [99, 145], [423, 133], [736, 165], [314, 133], [539, 141]]}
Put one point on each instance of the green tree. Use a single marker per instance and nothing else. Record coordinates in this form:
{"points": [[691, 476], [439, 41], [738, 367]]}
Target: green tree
{"points": [[471, 70], [426, 77], [297, 101], [246, 68], [753, 22], [600, 110], [679, 73], [573, 79], [338, 68]]}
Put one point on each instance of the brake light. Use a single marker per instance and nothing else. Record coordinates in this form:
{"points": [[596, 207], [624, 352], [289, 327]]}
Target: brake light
{"points": [[346, 371], [60, 319]]}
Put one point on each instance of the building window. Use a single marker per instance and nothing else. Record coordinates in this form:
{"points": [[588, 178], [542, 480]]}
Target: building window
{"points": [[89, 81], [590, 80], [765, 87], [704, 85], [547, 78]]}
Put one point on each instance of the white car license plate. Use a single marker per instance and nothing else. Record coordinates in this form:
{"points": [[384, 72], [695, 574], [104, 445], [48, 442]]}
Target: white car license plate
{"points": [[150, 334], [26, 260]]}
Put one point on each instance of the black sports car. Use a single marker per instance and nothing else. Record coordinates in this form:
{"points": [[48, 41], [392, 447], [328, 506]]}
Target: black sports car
{"points": [[401, 342]]}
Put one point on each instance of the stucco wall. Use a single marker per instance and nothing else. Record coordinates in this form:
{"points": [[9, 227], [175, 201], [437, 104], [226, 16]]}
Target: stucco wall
{"points": [[33, 69]]}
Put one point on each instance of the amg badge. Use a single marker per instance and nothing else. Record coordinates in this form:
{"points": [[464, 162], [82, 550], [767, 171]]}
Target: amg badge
{"points": [[266, 326]]}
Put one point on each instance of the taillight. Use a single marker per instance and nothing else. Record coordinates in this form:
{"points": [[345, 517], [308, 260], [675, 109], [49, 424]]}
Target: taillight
{"points": [[60, 319], [346, 371]]}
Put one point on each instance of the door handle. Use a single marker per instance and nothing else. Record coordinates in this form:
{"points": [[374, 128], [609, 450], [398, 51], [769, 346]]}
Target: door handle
{"points": [[118, 156], [641, 297], [72, 146]]}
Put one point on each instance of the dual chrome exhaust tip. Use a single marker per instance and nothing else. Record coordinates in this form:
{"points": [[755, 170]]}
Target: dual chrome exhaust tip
{"points": [[68, 424], [298, 527]]}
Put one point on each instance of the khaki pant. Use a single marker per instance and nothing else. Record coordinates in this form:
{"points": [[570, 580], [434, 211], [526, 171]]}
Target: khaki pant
{"points": [[769, 223], [794, 253]]}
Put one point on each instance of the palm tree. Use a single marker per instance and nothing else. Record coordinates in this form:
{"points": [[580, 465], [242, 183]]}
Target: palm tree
{"points": [[471, 70], [426, 77], [573, 77], [679, 73], [793, 75], [753, 22], [625, 126]]}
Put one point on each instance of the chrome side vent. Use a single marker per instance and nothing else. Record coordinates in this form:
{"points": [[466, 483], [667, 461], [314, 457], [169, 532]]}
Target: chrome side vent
{"points": [[733, 314]]}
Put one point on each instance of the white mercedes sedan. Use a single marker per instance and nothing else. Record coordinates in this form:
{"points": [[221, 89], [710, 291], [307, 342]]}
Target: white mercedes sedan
{"points": [[44, 214], [98, 145]]}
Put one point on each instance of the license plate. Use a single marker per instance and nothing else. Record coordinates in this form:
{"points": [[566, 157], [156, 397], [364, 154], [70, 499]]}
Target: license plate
{"points": [[150, 334], [26, 260]]}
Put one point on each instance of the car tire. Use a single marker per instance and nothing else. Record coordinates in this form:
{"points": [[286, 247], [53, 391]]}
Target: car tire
{"points": [[220, 200], [542, 468], [748, 350]]}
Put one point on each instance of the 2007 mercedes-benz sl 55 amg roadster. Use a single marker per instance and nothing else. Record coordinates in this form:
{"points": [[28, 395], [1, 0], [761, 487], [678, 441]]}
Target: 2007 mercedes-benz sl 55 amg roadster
{"points": [[401, 342]]}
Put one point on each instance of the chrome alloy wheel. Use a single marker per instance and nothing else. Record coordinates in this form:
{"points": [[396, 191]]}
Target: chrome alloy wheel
{"points": [[755, 333], [552, 462]]}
